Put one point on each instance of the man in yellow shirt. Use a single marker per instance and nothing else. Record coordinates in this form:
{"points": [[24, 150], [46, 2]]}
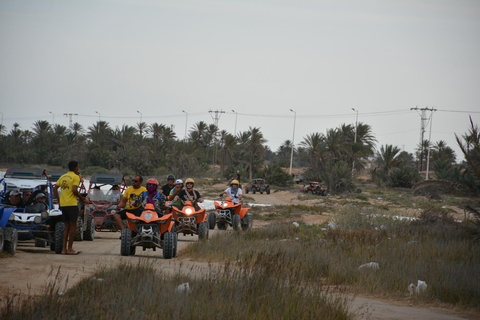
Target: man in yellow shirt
{"points": [[69, 183], [129, 197]]}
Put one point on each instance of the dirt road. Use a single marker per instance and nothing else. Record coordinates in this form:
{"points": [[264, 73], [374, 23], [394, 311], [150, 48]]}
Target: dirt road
{"points": [[31, 269]]}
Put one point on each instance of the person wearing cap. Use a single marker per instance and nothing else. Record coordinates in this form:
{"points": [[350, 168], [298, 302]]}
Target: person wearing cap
{"points": [[189, 194], [39, 205], [69, 183], [169, 186], [14, 198], [234, 192], [174, 192]]}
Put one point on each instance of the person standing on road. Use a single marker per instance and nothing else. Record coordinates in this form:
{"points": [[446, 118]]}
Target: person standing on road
{"points": [[69, 183], [128, 201], [234, 192]]}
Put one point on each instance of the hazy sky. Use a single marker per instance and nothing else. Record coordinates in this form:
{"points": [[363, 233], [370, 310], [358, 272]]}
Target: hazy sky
{"points": [[114, 59]]}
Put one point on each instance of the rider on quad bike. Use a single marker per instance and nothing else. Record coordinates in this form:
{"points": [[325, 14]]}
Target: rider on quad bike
{"points": [[152, 196], [233, 192], [189, 194]]}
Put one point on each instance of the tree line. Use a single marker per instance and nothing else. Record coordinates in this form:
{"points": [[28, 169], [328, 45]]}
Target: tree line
{"points": [[332, 157]]}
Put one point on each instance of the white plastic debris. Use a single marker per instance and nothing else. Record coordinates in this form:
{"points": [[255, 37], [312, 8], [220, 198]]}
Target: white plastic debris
{"points": [[296, 224], [61, 293], [380, 198], [184, 287], [370, 265], [419, 288], [332, 225]]}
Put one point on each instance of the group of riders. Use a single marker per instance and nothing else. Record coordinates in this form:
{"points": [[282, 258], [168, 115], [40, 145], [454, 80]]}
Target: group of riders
{"points": [[136, 197]]}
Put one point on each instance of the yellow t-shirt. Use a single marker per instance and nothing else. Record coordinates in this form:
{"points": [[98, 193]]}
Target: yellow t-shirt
{"points": [[66, 182], [131, 193]]}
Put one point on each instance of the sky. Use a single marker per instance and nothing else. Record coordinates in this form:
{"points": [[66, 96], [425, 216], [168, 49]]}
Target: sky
{"points": [[291, 68]]}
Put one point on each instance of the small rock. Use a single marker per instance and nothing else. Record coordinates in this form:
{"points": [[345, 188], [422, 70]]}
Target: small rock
{"points": [[296, 224], [184, 287]]}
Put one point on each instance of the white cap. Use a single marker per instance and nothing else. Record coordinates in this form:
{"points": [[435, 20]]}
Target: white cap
{"points": [[179, 181], [40, 195]]}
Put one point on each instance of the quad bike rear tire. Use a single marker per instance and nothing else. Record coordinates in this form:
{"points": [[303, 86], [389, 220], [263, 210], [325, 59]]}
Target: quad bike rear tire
{"points": [[248, 224], [211, 220], [125, 246], [10, 240], [236, 222], [222, 225], [79, 230], [59, 229], [89, 233], [169, 245], [267, 190], [203, 231], [40, 243]]}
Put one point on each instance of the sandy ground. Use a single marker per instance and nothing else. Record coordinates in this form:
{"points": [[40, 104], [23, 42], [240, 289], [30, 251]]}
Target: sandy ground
{"points": [[31, 269]]}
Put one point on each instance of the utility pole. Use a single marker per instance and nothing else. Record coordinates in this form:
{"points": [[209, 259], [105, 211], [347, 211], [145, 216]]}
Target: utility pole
{"points": [[293, 139], [354, 143], [423, 120], [215, 116], [69, 115]]}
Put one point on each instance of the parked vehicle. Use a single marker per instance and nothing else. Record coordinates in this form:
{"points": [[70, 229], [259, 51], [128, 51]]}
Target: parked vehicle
{"points": [[98, 214], [45, 226], [314, 187], [227, 213], [258, 185], [188, 220], [149, 231]]}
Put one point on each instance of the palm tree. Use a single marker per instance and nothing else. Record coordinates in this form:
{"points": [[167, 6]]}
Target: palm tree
{"points": [[387, 158], [254, 150]]}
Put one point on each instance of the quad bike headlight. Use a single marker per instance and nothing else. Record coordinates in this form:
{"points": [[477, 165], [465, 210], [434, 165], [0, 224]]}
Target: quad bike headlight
{"points": [[225, 204], [37, 219], [188, 211], [148, 216]]}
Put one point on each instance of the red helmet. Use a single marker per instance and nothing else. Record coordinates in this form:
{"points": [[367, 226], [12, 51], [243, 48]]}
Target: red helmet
{"points": [[152, 181]]}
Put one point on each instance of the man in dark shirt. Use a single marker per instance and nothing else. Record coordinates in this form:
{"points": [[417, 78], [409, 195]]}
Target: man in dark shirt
{"points": [[169, 186], [189, 194]]}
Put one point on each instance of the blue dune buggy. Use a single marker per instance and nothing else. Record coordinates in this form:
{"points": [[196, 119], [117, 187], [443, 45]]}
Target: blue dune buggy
{"points": [[43, 224]]}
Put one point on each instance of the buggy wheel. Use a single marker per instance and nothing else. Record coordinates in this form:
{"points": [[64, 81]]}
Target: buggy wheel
{"points": [[222, 225], [268, 190], [79, 230], [125, 245], [254, 190], [248, 224], [89, 233], [168, 245], [59, 229], [11, 240], [236, 222], [40, 243], [1, 239], [211, 220], [202, 231]]}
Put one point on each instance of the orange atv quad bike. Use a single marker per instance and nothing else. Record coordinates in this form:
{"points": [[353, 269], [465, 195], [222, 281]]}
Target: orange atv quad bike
{"points": [[149, 231], [189, 220], [231, 214]]}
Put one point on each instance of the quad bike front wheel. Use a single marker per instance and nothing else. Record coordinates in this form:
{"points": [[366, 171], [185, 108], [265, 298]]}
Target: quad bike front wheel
{"points": [[211, 220], [125, 246], [248, 224], [169, 245], [236, 222], [202, 231]]}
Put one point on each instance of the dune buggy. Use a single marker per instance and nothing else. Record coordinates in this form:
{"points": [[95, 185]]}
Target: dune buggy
{"points": [[45, 226], [258, 185], [105, 193], [314, 187]]}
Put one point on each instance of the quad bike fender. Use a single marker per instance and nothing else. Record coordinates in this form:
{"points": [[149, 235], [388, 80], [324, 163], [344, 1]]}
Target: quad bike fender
{"points": [[5, 215], [243, 212], [201, 217]]}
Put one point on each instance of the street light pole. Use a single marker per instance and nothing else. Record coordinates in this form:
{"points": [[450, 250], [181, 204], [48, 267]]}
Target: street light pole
{"points": [[53, 117], [98, 116], [293, 139], [354, 142], [235, 122], [140, 116], [186, 119]]}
